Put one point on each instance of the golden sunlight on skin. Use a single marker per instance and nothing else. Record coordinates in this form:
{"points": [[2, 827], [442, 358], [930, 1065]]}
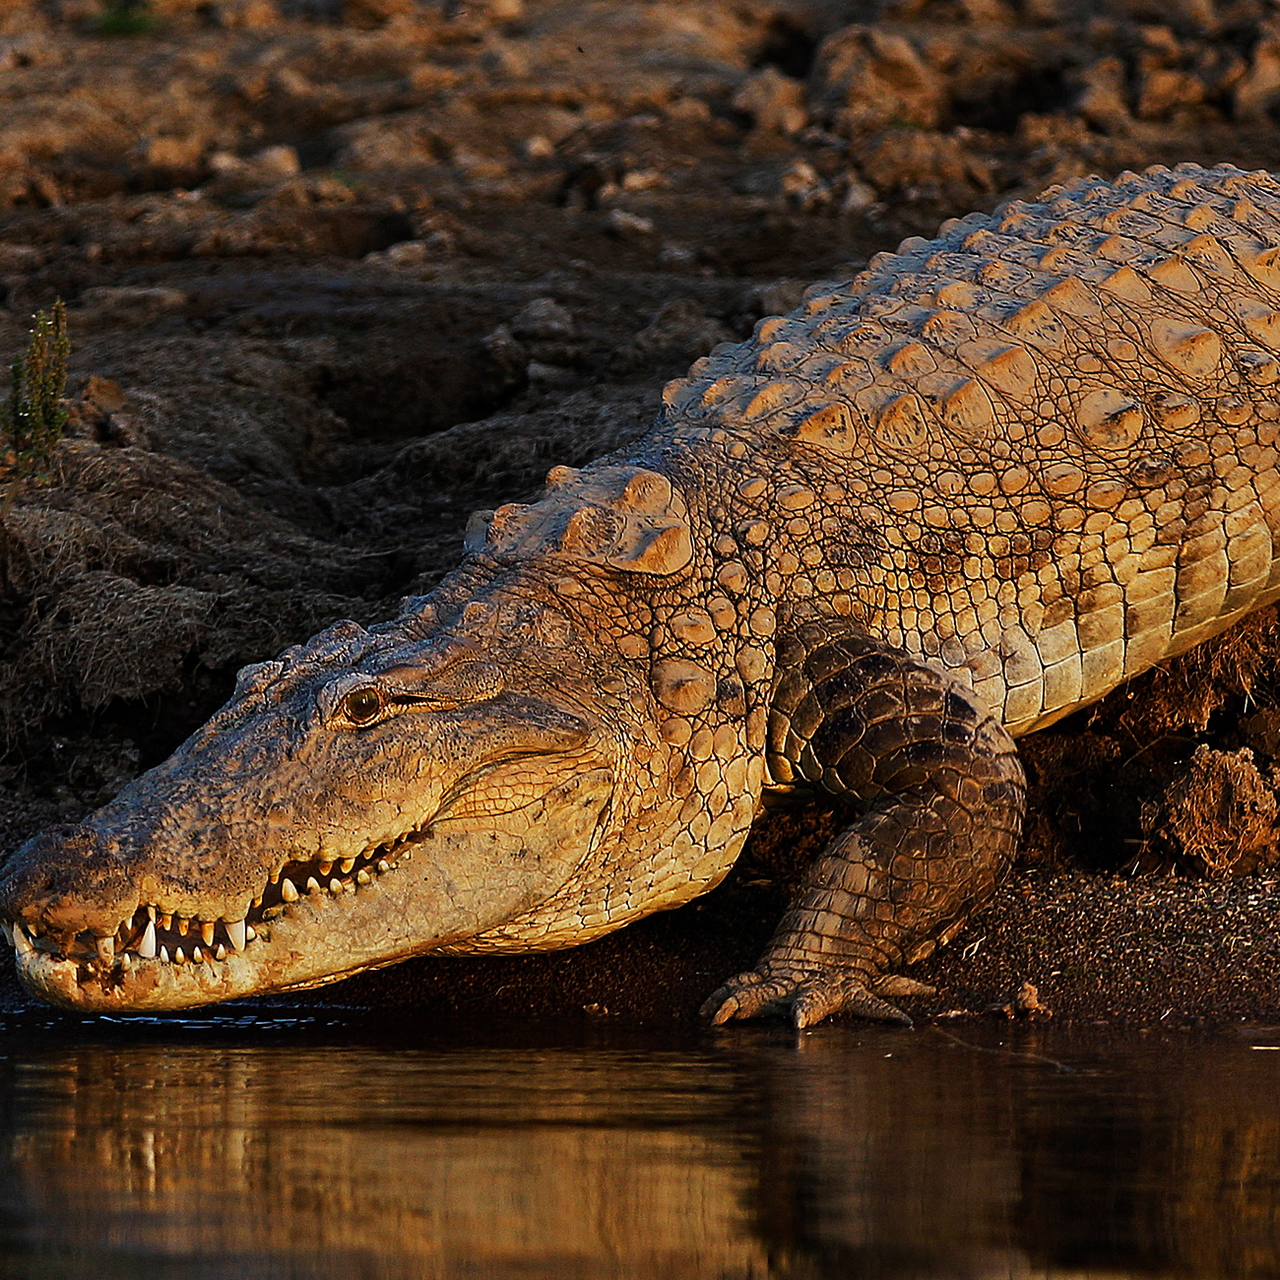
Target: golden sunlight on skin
{"points": [[932, 509]]}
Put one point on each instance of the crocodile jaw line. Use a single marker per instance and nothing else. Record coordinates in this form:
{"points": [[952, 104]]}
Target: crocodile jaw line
{"points": [[445, 886], [317, 939]]}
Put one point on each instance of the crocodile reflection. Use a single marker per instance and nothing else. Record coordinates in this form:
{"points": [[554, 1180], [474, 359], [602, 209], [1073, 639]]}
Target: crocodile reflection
{"points": [[848, 1154]]}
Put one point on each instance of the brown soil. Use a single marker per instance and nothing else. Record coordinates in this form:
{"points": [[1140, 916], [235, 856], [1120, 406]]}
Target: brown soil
{"points": [[340, 271]]}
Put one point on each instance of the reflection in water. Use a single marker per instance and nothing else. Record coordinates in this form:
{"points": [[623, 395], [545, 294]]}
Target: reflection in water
{"points": [[849, 1152]]}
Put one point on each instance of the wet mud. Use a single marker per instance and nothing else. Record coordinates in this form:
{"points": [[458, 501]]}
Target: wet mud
{"points": [[338, 274]]}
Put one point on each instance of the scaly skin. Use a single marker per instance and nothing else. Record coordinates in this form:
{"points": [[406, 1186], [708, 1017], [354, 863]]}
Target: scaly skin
{"points": [[930, 510]]}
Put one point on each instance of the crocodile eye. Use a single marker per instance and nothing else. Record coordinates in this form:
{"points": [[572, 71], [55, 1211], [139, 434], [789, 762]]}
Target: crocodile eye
{"points": [[362, 706]]}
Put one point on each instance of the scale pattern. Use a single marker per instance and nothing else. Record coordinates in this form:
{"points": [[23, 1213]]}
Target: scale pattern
{"points": [[1000, 471], [1039, 450]]}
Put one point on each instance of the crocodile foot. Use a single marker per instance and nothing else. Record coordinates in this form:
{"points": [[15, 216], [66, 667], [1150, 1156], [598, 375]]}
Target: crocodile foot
{"points": [[809, 996]]}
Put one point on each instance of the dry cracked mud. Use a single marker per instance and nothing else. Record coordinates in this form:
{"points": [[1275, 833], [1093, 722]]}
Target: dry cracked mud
{"points": [[339, 272]]}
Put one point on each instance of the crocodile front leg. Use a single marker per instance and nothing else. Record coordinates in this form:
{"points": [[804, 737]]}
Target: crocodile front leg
{"points": [[944, 795]]}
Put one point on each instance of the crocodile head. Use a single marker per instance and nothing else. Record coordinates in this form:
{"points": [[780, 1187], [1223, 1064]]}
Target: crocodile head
{"points": [[368, 796]]}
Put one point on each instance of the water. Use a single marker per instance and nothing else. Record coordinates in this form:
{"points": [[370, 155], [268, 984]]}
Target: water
{"points": [[268, 1149]]}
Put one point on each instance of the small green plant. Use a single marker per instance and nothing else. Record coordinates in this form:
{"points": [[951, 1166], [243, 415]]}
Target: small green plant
{"points": [[125, 18], [33, 420]]}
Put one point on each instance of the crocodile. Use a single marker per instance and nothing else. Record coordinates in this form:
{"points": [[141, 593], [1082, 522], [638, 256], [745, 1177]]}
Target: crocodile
{"points": [[934, 508]]}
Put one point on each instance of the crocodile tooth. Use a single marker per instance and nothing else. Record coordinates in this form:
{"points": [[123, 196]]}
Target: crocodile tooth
{"points": [[235, 931], [313, 885], [221, 952], [21, 943], [147, 947], [183, 925], [178, 956], [335, 886], [363, 877], [151, 912], [346, 865], [197, 955], [257, 902], [164, 955], [166, 919], [250, 932], [383, 866], [326, 867], [106, 949], [126, 962], [206, 932], [288, 890]]}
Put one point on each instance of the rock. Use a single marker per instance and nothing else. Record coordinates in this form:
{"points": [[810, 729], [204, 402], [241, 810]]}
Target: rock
{"points": [[267, 167], [502, 59], [926, 162], [408, 253], [857, 197], [681, 328], [865, 78], [546, 377], [993, 12], [801, 187], [1102, 101], [687, 110], [125, 430], [505, 363], [311, 191], [1163, 89], [774, 102], [773, 299], [380, 144], [224, 163], [30, 49], [673, 256], [246, 15], [1026, 1004], [643, 179], [629, 226], [170, 153], [543, 320], [1163, 81], [1199, 16], [1259, 89], [276, 163]]}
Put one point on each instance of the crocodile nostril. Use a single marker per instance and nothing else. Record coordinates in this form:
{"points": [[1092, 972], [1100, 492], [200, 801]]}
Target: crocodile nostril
{"points": [[43, 881]]}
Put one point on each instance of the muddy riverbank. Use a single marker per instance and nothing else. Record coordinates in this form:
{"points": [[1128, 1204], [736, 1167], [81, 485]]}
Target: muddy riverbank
{"points": [[339, 274]]}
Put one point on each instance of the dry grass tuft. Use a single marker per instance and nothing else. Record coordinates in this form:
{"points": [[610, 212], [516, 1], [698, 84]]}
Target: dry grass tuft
{"points": [[124, 571]]}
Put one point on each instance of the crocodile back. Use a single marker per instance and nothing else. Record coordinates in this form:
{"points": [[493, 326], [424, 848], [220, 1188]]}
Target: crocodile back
{"points": [[1039, 450]]}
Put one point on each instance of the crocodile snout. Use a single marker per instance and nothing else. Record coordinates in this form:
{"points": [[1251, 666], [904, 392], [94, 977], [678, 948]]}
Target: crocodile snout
{"points": [[42, 883]]}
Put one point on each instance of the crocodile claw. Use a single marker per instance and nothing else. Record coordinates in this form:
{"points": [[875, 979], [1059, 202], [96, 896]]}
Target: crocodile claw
{"points": [[807, 997]]}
